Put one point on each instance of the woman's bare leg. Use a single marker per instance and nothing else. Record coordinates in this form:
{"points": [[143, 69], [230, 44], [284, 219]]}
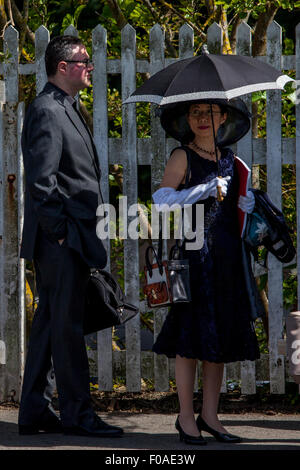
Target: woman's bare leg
{"points": [[185, 370], [212, 381]]}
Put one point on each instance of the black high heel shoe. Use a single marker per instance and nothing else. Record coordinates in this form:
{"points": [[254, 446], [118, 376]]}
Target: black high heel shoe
{"points": [[186, 438], [219, 436]]}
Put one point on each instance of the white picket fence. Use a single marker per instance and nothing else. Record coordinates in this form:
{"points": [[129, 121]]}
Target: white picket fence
{"points": [[131, 151]]}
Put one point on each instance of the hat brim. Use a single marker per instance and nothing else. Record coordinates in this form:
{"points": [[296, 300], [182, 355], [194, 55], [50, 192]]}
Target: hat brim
{"points": [[173, 119]]}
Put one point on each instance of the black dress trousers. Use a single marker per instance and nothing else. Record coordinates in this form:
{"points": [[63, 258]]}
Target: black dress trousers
{"points": [[57, 335]]}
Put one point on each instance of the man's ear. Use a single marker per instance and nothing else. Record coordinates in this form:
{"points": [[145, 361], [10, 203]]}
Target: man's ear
{"points": [[62, 67]]}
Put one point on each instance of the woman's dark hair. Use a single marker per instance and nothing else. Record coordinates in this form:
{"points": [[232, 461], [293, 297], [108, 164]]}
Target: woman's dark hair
{"points": [[58, 49]]}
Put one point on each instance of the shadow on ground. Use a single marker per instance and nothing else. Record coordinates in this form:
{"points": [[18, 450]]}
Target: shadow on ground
{"points": [[157, 432]]}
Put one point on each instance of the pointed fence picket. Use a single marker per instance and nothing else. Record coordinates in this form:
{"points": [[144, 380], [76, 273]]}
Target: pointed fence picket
{"points": [[296, 149], [100, 120], [130, 175], [130, 151], [244, 151], [158, 142], [12, 313], [274, 166]]}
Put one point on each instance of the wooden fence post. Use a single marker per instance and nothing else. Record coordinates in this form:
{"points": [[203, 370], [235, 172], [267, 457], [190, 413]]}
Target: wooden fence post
{"points": [[186, 50], [215, 44], [244, 151], [297, 56], [214, 39], [2, 344], [71, 31], [274, 164], [42, 38], [10, 319], [100, 125], [186, 42], [2, 100], [21, 270], [158, 143], [130, 174]]}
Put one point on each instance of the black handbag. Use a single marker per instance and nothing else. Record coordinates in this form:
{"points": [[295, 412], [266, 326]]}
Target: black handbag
{"points": [[168, 281], [179, 273], [105, 303], [266, 226]]}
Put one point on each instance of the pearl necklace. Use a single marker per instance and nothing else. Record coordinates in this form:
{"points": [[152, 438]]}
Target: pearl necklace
{"points": [[197, 147]]}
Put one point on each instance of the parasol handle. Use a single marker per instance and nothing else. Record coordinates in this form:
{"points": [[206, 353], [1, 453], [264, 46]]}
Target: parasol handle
{"points": [[220, 195]]}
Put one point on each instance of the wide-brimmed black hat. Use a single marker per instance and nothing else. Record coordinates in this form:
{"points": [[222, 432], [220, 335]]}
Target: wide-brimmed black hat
{"points": [[173, 118]]}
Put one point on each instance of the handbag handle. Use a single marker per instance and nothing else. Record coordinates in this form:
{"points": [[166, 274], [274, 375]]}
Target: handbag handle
{"points": [[148, 264], [187, 178], [176, 252]]}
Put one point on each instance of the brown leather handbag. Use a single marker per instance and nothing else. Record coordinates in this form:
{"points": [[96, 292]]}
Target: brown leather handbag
{"points": [[157, 288], [167, 282]]}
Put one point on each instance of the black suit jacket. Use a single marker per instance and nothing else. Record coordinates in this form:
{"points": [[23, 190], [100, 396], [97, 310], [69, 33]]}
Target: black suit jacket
{"points": [[62, 177]]}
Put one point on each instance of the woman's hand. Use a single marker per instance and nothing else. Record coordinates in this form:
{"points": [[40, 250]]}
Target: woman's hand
{"points": [[219, 182], [247, 203]]}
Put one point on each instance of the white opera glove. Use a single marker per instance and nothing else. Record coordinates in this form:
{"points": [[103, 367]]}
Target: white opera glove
{"points": [[164, 198], [247, 203]]}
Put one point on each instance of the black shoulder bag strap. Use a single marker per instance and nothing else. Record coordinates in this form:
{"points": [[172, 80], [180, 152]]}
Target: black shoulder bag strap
{"points": [[179, 243]]}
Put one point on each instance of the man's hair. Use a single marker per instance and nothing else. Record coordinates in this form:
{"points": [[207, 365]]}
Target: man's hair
{"points": [[58, 49]]}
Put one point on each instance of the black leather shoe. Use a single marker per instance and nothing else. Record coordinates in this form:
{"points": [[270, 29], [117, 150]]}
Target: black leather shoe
{"points": [[98, 429], [49, 423], [186, 438], [219, 436]]}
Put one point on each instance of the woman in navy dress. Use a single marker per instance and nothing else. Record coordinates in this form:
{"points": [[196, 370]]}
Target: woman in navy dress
{"points": [[216, 327]]}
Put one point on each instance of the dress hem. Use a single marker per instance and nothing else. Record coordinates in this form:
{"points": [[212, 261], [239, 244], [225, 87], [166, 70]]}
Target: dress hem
{"points": [[204, 358]]}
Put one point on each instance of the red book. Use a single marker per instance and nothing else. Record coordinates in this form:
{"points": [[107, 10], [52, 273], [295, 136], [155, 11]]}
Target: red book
{"points": [[244, 173]]}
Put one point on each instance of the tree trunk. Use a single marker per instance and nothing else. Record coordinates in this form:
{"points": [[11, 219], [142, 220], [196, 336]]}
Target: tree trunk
{"points": [[3, 22], [224, 26], [211, 7], [23, 27], [172, 51], [118, 14], [18, 18], [259, 43]]}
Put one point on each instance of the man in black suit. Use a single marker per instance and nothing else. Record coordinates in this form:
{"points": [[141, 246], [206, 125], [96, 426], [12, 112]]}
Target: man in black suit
{"points": [[62, 194]]}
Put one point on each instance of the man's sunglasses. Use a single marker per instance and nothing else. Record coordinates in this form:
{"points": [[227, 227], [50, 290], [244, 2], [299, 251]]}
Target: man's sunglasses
{"points": [[86, 62]]}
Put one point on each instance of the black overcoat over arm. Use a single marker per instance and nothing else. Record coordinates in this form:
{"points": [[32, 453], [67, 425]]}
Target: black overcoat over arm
{"points": [[43, 140]]}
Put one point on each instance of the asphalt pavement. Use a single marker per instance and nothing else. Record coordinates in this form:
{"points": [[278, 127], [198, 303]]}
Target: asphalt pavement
{"points": [[157, 432]]}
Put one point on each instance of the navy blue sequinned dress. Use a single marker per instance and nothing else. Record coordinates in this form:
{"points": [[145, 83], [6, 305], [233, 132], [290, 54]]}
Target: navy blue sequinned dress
{"points": [[216, 326]]}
